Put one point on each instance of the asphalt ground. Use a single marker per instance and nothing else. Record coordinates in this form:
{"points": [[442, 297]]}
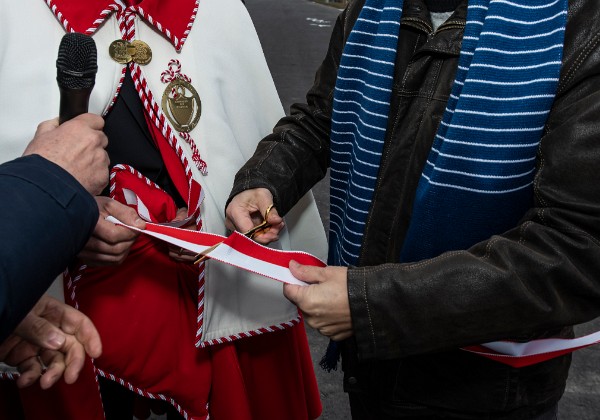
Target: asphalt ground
{"points": [[295, 35]]}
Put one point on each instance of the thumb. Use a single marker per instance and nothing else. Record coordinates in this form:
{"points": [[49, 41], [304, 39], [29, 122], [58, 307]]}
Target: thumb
{"points": [[293, 293], [306, 273], [125, 214], [40, 332]]}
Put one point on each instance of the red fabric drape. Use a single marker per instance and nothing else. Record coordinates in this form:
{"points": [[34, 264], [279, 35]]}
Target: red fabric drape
{"points": [[145, 311]]}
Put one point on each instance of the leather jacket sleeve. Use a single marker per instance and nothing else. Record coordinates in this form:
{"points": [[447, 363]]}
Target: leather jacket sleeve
{"points": [[533, 281], [526, 283], [295, 156]]}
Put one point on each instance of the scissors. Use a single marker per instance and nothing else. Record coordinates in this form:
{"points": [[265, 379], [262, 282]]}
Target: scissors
{"points": [[252, 233]]}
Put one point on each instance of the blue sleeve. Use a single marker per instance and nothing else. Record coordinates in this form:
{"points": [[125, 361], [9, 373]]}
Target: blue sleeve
{"points": [[46, 217]]}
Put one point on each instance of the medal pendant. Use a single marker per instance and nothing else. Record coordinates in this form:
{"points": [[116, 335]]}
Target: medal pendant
{"points": [[181, 104]]}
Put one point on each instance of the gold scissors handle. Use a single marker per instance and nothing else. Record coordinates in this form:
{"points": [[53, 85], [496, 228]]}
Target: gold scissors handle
{"points": [[250, 234], [260, 227]]}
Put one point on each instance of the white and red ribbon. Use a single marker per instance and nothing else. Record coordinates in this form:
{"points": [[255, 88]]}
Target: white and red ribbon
{"points": [[236, 250], [532, 352], [244, 253]]}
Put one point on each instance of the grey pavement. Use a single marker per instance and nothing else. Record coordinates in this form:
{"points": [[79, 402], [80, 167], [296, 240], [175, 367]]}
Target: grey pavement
{"points": [[295, 35]]}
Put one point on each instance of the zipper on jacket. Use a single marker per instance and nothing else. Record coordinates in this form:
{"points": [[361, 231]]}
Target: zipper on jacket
{"points": [[428, 29], [451, 24], [419, 24]]}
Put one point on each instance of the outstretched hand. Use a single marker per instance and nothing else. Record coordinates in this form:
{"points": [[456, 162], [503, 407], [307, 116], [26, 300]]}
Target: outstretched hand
{"points": [[53, 334], [324, 302]]}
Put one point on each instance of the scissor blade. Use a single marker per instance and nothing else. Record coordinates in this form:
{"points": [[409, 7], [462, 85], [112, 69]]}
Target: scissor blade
{"points": [[203, 255]]}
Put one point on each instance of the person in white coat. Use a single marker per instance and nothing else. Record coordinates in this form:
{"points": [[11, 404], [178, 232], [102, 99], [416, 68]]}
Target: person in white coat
{"points": [[186, 95]]}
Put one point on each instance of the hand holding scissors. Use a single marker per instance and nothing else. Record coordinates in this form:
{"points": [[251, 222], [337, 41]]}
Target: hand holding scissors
{"points": [[252, 233]]}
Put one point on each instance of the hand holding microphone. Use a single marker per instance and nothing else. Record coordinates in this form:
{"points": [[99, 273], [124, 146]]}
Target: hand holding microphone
{"points": [[54, 335], [76, 67], [78, 144]]}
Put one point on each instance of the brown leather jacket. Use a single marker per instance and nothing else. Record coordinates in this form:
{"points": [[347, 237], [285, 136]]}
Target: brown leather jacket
{"points": [[532, 281]]}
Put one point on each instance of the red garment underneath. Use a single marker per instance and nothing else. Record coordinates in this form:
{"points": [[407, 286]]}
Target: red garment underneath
{"points": [[266, 377], [146, 313]]}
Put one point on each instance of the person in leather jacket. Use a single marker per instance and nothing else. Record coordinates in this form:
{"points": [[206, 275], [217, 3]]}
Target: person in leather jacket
{"points": [[401, 324]]}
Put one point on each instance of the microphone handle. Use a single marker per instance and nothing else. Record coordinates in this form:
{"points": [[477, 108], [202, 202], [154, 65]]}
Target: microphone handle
{"points": [[73, 102]]}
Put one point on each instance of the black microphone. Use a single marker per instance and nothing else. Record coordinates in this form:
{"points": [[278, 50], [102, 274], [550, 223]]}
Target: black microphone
{"points": [[76, 68]]}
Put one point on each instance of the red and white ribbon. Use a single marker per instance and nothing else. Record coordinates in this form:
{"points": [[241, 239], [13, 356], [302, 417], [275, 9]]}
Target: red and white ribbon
{"points": [[244, 253], [236, 250], [532, 352]]}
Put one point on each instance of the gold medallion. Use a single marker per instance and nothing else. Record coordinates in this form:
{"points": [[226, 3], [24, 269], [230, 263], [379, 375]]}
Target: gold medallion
{"points": [[120, 51], [142, 54], [181, 104]]}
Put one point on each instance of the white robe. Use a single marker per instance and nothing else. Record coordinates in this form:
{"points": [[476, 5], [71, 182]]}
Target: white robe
{"points": [[223, 57]]}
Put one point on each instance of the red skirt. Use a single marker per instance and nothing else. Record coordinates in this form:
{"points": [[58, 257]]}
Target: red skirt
{"points": [[146, 313]]}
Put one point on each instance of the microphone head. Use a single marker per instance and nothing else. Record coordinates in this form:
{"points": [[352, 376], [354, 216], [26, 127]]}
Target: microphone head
{"points": [[76, 65]]}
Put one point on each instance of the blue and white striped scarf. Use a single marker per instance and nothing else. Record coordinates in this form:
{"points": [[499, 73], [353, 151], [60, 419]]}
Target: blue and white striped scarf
{"points": [[479, 174]]}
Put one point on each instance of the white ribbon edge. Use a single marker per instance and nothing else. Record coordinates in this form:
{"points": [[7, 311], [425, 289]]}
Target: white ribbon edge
{"points": [[225, 254]]}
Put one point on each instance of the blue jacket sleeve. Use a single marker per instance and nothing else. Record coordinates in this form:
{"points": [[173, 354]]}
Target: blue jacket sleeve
{"points": [[46, 217]]}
